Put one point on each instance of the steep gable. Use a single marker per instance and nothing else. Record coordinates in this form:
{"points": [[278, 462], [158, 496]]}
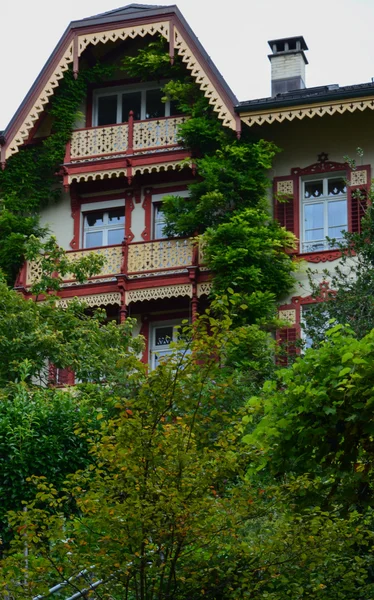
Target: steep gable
{"points": [[130, 21]]}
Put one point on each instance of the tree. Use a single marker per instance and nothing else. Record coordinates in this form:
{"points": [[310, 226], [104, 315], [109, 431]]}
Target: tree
{"points": [[227, 205]]}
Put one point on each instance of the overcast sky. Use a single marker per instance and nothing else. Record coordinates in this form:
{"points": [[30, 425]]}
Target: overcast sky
{"points": [[339, 34]]}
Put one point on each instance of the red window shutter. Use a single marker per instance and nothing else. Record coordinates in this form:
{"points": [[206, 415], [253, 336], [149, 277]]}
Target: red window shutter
{"points": [[287, 338], [358, 195], [286, 202], [60, 377]]}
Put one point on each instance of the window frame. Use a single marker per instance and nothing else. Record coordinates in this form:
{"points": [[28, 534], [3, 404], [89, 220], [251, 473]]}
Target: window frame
{"points": [[105, 207], [176, 325], [143, 88], [324, 199]]}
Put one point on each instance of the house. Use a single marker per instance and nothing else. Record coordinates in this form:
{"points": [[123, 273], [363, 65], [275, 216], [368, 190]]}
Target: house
{"points": [[318, 130], [124, 157]]}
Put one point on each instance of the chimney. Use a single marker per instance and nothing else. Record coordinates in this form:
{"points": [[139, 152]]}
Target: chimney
{"points": [[287, 64]]}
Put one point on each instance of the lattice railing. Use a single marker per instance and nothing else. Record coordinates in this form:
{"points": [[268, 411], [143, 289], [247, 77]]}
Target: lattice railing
{"points": [[99, 140], [141, 258], [112, 265], [165, 254], [154, 133], [124, 138]]}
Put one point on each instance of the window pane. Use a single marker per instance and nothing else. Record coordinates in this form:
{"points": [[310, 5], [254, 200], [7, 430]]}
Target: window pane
{"points": [[337, 214], [155, 107], [116, 217], [163, 336], [313, 216], [94, 219], [159, 223], [115, 236], [131, 101], [94, 239], [336, 187], [174, 110], [107, 110], [313, 189]]}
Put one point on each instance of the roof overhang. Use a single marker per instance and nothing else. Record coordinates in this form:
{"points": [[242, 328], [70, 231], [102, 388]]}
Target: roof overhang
{"points": [[279, 111], [166, 21]]}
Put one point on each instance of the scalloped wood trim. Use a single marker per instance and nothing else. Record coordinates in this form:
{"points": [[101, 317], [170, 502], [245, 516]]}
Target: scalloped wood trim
{"points": [[205, 84], [123, 33], [156, 293], [43, 99], [319, 109], [105, 299], [113, 173]]}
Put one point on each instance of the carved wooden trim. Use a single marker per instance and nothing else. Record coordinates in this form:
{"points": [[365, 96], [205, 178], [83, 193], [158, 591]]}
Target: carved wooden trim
{"points": [[263, 117], [320, 167], [129, 207], [157, 293], [147, 206]]}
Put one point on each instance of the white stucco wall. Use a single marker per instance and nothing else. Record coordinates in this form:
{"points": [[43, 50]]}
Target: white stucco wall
{"points": [[57, 217]]}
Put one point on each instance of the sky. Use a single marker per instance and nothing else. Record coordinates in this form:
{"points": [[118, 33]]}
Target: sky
{"points": [[339, 35]]}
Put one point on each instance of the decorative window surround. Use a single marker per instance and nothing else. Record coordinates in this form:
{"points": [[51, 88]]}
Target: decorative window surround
{"points": [[162, 334], [81, 205], [288, 202]]}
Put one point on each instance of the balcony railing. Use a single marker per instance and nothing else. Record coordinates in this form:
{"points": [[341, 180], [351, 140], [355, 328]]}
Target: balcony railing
{"points": [[145, 258], [124, 138]]}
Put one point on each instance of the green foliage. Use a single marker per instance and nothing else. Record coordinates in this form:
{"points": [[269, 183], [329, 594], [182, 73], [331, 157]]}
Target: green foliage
{"points": [[317, 419], [30, 179], [230, 194], [252, 249]]}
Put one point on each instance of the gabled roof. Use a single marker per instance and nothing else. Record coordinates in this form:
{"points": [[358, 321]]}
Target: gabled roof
{"points": [[124, 11], [126, 22], [308, 95]]}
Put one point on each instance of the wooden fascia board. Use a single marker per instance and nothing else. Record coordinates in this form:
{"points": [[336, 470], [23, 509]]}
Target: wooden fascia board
{"points": [[309, 110]]}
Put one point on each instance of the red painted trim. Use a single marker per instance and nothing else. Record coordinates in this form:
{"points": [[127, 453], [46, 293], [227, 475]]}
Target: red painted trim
{"points": [[129, 207], [147, 206], [319, 167]]}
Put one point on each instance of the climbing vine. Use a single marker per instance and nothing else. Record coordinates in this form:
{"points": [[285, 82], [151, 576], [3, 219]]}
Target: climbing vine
{"points": [[228, 203], [30, 179]]}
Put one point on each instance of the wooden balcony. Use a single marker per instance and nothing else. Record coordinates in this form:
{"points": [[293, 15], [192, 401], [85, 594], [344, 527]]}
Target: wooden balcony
{"points": [[124, 139], [134, 260]]}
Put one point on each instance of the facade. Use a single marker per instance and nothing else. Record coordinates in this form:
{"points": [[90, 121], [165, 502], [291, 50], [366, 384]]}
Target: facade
{"points": [[124, 157]]}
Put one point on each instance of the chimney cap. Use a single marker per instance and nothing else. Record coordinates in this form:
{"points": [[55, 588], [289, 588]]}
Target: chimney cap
{"points": [[288, 44]]}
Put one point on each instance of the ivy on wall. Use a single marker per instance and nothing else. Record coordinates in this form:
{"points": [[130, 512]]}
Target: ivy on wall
{"points": [[31, 177]]}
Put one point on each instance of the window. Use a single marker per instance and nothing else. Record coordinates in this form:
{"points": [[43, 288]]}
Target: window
{"points": [[158, 223], [103, 228], [162, 335], [114, 104], [324, 212]]}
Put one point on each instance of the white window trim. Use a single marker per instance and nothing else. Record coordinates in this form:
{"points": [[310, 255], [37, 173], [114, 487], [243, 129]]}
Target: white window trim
{"points": [[152, 332], [119, 90], [96, 206], [325, 199]]}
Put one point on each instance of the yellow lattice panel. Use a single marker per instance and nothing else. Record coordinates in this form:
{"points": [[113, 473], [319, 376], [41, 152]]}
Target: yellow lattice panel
{"points": [[156, 132], [156, 293], [165, 254], [99, 140]]}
